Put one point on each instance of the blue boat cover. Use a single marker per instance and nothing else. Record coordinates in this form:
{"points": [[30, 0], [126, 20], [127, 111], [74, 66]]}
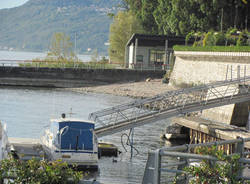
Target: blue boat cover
{"points": [[77, 135]]}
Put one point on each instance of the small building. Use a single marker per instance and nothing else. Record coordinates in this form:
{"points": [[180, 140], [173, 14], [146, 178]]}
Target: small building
{"points": [[151, 51]]}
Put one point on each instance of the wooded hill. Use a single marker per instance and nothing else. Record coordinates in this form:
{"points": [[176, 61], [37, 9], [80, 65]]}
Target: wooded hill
{"points": [[31, 26]]}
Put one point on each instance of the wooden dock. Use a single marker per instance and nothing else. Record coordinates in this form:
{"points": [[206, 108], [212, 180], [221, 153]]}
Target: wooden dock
{"points": [[26, 148], [202, 131]]}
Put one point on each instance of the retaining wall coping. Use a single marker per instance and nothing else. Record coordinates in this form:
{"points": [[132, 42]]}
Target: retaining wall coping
{"points": [[199, 53]]}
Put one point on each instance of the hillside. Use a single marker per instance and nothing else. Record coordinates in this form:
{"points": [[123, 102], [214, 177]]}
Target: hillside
{"points": [[31, 26]]}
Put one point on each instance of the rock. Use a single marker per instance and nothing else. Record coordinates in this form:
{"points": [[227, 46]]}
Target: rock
{"points": [[165, 80]]}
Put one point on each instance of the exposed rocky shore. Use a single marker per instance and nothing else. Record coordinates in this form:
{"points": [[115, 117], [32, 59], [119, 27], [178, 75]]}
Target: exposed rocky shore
{"points": [[143, 89]]}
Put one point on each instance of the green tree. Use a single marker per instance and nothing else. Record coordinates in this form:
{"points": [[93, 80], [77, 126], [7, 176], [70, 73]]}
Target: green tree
{"points": [[125, 24], [179, 17], [94, 56], [61, 47], [147, 18]]}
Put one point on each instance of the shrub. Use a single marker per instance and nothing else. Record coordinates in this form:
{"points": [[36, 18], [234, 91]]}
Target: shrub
{"points": [[242, 40], [36, 171], [208, 39], [224, 171], [231, 36], [219, 39], [188, 36]]}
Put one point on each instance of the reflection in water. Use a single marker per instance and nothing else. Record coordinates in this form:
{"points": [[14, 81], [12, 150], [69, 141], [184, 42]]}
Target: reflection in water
{"points": [[27, 111]]}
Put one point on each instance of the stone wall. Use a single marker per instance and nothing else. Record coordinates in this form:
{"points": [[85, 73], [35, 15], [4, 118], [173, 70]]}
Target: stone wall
{"points": [[69, 77], [198, 67], [194, 68]]}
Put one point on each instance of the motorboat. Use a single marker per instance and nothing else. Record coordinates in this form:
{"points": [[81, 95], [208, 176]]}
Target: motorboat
{"points": [[72, 141]]}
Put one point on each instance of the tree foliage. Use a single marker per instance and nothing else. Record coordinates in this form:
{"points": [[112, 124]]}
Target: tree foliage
{"points": [[125, 24], [61, 47], [179, 17]]}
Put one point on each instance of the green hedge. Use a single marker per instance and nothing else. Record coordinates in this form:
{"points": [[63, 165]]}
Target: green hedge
{"points": [[213, 48]]}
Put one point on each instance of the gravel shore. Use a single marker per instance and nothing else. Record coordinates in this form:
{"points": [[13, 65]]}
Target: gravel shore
{"points": [[133, 89]]}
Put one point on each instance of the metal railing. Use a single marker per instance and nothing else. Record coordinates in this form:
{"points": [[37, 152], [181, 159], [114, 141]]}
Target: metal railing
{"points": [[182, 156], [170, 104], [154, 67]]}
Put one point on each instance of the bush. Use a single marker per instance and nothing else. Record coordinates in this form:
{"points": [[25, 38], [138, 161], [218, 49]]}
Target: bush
{"points": [[242, 40], [219, 39], [36, 171], [231, 36], [224, 171], [209, 39], [189, 35]]}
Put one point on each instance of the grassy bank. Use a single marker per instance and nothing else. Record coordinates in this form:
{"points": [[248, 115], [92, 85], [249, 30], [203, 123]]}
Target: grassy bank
{"points": [[213, 48], [90, 65]]}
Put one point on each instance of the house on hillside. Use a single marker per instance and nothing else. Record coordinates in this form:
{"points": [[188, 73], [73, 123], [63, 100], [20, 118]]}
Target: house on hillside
{"points": [[151, 51]]}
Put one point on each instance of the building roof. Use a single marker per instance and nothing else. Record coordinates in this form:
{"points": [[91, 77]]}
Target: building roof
{"points": [[156, 40]]}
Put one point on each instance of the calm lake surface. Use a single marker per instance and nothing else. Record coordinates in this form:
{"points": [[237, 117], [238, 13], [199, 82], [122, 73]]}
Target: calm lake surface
{"points": [[27, 112], [14, 55]]}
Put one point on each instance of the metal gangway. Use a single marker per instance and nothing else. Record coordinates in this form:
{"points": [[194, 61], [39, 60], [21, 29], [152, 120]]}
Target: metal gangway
{"points": [[169, 104]]}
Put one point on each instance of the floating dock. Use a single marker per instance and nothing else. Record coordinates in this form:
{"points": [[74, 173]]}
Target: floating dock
{"points": [[27, 148]]}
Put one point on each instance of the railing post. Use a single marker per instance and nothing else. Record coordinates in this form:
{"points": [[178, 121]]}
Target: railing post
{"points": [[245, 74], [231, 72], [157, 168], [227, 72], [240, 151], [238, 72]]}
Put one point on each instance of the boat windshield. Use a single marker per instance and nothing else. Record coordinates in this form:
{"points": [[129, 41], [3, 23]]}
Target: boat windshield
{"points": [[54, 129]]}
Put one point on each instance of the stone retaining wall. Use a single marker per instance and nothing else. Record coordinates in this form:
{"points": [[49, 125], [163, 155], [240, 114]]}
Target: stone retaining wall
{"points": [[194, 68], [69, 77]]}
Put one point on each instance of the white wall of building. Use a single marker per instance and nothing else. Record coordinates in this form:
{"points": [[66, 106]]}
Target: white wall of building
{"points": [[143, 51], [131, 56]]}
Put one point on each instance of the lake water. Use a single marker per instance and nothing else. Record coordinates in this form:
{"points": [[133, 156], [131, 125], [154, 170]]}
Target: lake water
{"points": [[27, 112], [14, 55]]}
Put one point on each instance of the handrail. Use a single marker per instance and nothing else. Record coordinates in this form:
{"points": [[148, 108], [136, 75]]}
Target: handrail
{"points": [[153, 173]]}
